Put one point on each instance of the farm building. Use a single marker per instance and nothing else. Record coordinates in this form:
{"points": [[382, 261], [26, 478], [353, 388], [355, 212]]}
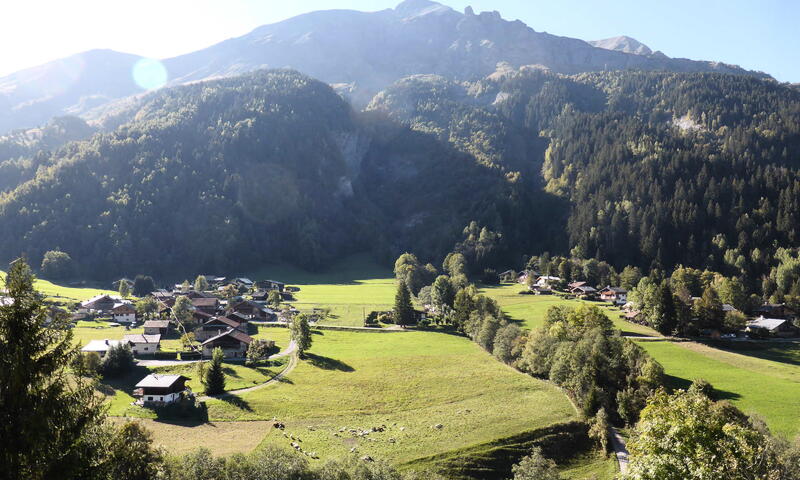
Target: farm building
{"points": [[772, 326], [216, 326], [156, 327], [123, 312], [583, 291], [233, 343], [143, 344], [160, 389], [99, 303]]}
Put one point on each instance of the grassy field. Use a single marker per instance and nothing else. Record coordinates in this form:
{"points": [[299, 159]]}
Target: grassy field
{"points": [[530, 310], [408, 382], [351, 288], [756, 385], [65, 294], [222, 438]]}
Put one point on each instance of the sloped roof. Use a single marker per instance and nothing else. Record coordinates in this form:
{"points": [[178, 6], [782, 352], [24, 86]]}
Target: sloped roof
{"points": [[102, 345], [156, 324], [766, 323], [242, 337], [159, 381], [142, 338], [227, 321], [205, 302]]}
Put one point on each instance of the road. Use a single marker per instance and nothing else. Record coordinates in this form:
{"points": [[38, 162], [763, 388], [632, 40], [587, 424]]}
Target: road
{"points": [[290, 350], [167, 363], [620, 450]]}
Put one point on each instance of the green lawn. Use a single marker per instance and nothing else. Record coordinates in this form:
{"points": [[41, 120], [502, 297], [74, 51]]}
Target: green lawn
{"points": [[408, 382], [530, 310], [65, 294], [351, 288], [756, 385]]}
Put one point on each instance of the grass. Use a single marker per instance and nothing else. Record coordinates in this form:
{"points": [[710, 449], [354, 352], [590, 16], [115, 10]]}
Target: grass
{"points": [[755, 385], [63, 294], [530, 310], [221, 438], [351, 288], [408, 382]]}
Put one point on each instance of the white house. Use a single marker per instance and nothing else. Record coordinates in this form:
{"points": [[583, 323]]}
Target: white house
{"points": [[143, 344], [100, 347], [546, 281], [160, 389], [123, 312]]}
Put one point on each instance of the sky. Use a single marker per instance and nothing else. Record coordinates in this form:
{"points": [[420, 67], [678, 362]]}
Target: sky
{"points": [[756, 34]]}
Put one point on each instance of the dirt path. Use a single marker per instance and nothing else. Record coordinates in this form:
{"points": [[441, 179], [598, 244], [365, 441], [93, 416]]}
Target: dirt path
{"points": [[277, 378], [620, 450]]}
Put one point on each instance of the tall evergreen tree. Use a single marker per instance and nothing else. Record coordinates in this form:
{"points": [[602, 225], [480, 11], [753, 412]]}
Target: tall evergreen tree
{"points": [[51, 422], [403, 309], [214, 380]]}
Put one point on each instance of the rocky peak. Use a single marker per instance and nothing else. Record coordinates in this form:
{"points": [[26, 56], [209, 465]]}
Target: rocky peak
{"points": [[623, 44]]}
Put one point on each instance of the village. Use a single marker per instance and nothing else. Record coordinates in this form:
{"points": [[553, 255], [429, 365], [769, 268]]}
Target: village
{"points": [[223, 312]]}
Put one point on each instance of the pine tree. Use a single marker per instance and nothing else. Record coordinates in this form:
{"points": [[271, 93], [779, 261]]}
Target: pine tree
{"points": [[215, 377], [51, 421], [403, 310]]}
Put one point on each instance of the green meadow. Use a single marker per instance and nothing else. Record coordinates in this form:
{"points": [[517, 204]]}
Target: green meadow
{"points": [[406, 383], [64, 294], [530, 310], [351, 288], [765, 387]]}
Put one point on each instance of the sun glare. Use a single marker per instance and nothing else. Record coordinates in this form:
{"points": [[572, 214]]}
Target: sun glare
{"points": [[149, 74]]}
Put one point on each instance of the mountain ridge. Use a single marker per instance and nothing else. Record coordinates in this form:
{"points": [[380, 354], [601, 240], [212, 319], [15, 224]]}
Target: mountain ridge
{"points": [[360, 52]]}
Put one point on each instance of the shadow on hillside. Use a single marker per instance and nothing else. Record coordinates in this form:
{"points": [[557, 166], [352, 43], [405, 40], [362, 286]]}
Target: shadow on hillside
{"points": [[782, 352], [327, 363], [238, 402], [676, 383]]}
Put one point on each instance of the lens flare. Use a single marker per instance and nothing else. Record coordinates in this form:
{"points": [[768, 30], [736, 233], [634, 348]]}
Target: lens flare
{"points": [[149, 73]]}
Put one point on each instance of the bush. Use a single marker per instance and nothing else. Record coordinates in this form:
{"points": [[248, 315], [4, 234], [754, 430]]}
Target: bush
{"points": [[192, 355], [165, 355], [117, 362]]}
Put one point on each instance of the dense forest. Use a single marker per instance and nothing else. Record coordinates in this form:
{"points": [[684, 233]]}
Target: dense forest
{"points": [[634, 168]]}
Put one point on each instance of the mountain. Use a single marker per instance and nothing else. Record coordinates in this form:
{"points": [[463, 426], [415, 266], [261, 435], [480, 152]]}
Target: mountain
{"points": [[231, 173], [652, 169], [70, 86], [360, 53], [623, 44]]}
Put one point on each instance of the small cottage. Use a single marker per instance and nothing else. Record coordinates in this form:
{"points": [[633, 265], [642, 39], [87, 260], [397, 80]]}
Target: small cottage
{"points": [[143, 344], [771, 326], [615, 295], [123, 312], [160, 389], [156, 327], [101, 347]]}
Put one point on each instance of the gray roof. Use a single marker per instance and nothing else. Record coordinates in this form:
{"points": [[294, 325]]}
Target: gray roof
{"points": [[766, 323], [101, 345], [141, 338], [156, 324], [159, 381]]}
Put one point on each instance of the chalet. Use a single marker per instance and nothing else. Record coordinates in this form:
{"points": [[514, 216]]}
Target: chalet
{"points": [[632, 316], [206, 305], [233, 343], [241, 318], [538, 290], [771, 326], [270, 285], [775, 310], [575, 285], [100, 347], [216, 326], [160, 389], [143, 344], [584, 291], [248, 308], [163, 295], [615, 295], [243, 282], [156, 327], [260, 295], [123, 312], [201, 317], [99, 303]]}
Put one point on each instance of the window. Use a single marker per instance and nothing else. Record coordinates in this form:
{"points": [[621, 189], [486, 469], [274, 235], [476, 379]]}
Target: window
{"points": [[149, 399]]}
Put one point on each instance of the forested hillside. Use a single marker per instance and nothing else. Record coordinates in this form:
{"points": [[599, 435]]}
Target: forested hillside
{"points": [[635, 168], [232, 173]]}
